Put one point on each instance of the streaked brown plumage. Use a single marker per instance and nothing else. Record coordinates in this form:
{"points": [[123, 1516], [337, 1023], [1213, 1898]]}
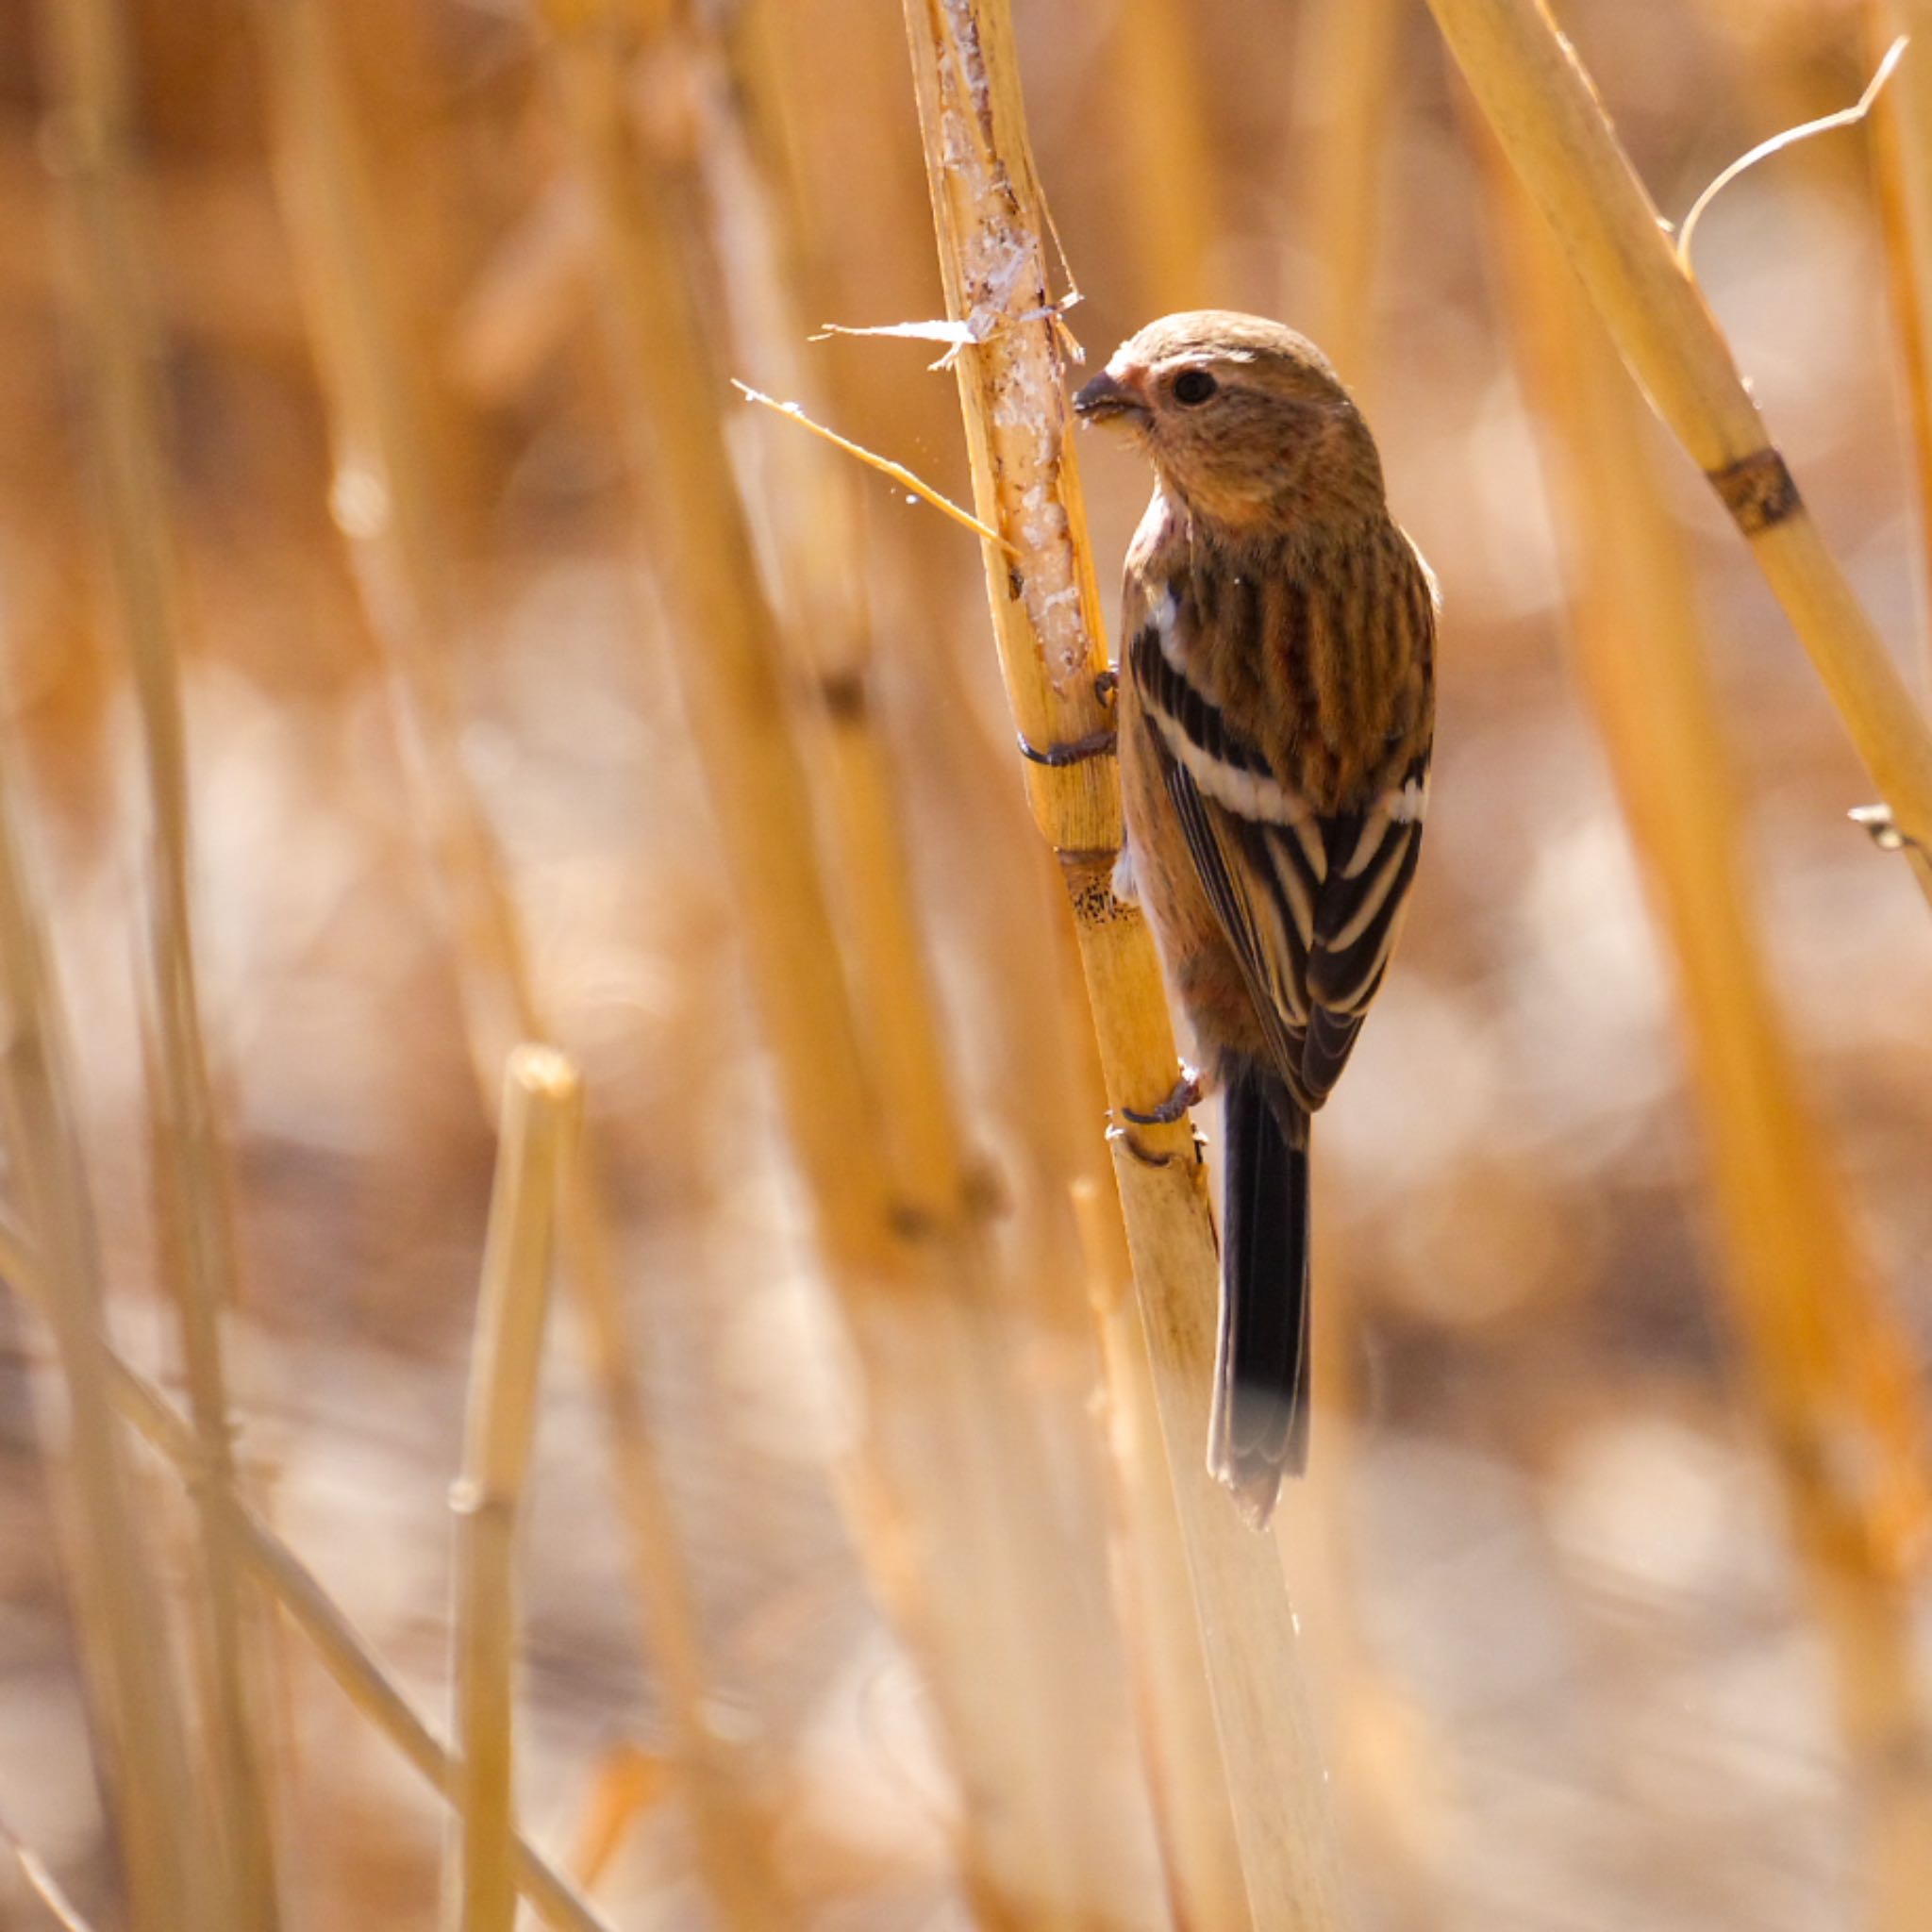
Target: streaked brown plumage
{"points": [[1276, 709]]}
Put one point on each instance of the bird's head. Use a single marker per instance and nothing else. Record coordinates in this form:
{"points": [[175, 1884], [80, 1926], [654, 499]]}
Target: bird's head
{"points": [[1243, 419]]}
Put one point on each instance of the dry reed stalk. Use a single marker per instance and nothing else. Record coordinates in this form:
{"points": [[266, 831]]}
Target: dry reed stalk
{"points": [[1833, 1373], [955, 1521], [283, 1577], [1534, 95], [1902, 130], [1344, 94], [120, 1602], [1046, 618], [541, 1100], [1200, 1847], [1168, 187], [126, 415], [387, 503]]}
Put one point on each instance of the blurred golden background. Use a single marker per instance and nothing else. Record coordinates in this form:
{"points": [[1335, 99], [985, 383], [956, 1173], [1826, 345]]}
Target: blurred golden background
{"points": [[431, 545]]}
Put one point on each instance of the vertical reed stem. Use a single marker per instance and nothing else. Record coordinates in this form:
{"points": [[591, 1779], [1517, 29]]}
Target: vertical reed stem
{"points": [[387, 503], [541, 1097], [1045, 611], [127, 414], [121, 1604]]}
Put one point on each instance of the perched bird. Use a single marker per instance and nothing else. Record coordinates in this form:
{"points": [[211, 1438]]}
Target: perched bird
{"points": [[1276, 713]]}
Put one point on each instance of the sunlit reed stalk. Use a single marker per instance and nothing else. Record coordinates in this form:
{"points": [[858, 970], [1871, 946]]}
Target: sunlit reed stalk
{"points": [[1345, 96], [120, 1602], [125, 413], [542, 1098], [953, 1517], [284, 1577], [387, 503], [1832, 1370], [1167, 182], [993, 261], [1902, 143], [1537, 97]]}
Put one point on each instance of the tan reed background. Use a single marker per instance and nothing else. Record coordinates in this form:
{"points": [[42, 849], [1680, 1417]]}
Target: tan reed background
{"points": [[473, 786]]}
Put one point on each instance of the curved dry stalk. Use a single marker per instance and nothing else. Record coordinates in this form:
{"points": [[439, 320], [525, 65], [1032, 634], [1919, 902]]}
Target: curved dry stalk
{"points": [[125, 412], [542, 1102], [389, 505], [1046, 618], [1537, 97], [1833, 1373]]}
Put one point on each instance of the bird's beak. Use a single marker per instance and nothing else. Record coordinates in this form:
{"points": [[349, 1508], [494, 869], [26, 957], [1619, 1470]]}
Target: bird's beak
{"points": [[1105, 397]]}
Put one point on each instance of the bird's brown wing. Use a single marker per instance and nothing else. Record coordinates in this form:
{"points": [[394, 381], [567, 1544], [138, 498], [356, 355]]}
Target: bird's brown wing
{"points": [[1310, 902]]}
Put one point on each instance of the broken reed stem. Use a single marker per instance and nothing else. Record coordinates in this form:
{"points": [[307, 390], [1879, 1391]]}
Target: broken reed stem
{"points": [[344, 1653], [126, 415], [121, 1607], [1539, 102], [1834, 1374], [1346, 53], [541, 1100], [1902, 152], [960, 1538], [1046, 618], [388, 505]]}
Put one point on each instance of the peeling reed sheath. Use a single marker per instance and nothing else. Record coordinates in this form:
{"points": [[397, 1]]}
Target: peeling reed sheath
{"points": [[542, 1103], [1832, 1373], [1539, 102], [127, 414], [1045, 608], [120, 1604], [389, 505], [342, 1649]]}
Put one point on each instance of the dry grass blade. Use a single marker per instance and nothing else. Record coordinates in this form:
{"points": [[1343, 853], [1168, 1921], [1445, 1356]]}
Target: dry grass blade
{"points": [[380, 463], [1046, 618], [1834, 1374], [1537, 97], [45, 1887], [541, 1097], [125, 412], [116, 1588]]}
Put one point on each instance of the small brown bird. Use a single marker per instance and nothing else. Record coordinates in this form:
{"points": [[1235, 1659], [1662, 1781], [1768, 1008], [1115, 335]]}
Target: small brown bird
{"points": [[1276, 713]]}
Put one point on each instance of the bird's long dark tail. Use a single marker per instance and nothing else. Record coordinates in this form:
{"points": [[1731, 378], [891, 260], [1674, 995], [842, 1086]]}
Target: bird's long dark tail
{"points": [[1260, 1427]]}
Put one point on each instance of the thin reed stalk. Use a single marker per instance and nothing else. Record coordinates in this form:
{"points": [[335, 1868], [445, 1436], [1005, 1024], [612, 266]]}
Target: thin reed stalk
{"points": [[118, 1596], [1901, 150], [386, 502], [345, 1654], [1832, 1371], [953, 1516], [541, 1097], [127, 414], [1535, 96], [1346, 53], [1046, 618]]}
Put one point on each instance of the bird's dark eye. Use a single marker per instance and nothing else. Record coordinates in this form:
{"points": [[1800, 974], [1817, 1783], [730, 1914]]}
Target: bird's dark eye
{"points": [[1193, 386]]}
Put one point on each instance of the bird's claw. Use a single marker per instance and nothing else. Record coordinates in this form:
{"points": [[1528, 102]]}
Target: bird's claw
{"points": [[1186, 1093]]}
